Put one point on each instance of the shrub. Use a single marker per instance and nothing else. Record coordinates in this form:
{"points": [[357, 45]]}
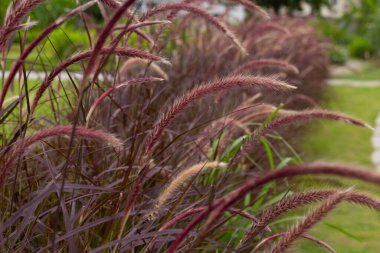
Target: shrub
{"points": [[360, 48], [338, 55]]}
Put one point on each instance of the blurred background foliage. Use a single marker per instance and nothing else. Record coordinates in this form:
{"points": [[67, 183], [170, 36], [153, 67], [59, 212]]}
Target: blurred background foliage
{"points": [[71, 33], [293, 5], [45, 13], [49, 11], [355, 33]]}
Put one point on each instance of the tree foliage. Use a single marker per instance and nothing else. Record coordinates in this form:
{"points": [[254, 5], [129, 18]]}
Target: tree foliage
{"points": [[48, 11], [293, 5]]}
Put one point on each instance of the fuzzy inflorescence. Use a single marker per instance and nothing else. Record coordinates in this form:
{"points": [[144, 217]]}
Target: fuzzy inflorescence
{"points": [[207, 89]]}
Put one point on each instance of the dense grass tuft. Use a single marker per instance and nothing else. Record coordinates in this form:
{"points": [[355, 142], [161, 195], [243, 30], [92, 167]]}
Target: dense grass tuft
{"points": [[134, 143]]}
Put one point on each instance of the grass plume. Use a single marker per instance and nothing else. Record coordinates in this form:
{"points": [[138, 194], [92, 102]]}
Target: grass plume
{"points": [[302, 117], [300, 199], [227, 201], [199, 12], [311, 219], [14, 19], [133, 62], [184, 178], [206, 89], [125, 52], [262, 63]]}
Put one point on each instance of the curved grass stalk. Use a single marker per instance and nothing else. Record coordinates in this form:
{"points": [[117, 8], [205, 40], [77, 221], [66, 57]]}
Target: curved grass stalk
{"points": [[302, 117], [311, 219], [206, 89], [262, 63], [199, 12], [14, 18], [184, 178], [138, 61], [126, 52], [226, 202], [306, 236], [35, 42], [298, 200], [20, 147], [112, 89]]}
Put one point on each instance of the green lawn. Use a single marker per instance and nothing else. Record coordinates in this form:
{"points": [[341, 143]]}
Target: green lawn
{"points": [[60, 44], [338, 142], [341, 142]]}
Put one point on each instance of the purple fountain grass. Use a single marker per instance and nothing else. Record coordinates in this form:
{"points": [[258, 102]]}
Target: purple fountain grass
{"points": [[15, 17], [306, 236], [263, 111], [311, 219], [104, 210], [92, 62], [107, 30], [301, 117], [142, 24], [247, 107], [136, 28], [142, 62], [20, 147], [284, 206], [364, 200], [206, 89], [247, 4], [34, 43], [25, 26], [111, 3], [197, 11], [192, 211], [114, 88], [264, 31], [297, 200], [300, 98], [190, 226], [182, 216], [184, 178], [271, 26], [224, 203], [250, 5], [126, 29], [125, 52], [238, 121], [174, 13], [115, 5], [262, 63]]}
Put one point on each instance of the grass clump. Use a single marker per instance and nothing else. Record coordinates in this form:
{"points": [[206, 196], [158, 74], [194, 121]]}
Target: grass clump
{"points": [[121, 167]]}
